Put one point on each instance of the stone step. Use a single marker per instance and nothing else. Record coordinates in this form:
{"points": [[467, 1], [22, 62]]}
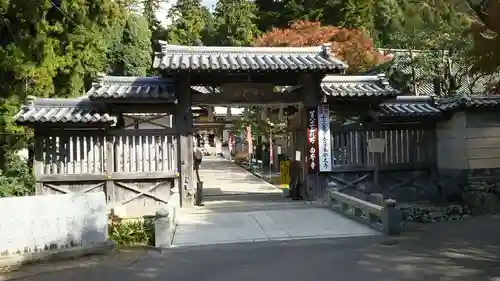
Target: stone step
{"points": [[228, 206], [246, 196]]}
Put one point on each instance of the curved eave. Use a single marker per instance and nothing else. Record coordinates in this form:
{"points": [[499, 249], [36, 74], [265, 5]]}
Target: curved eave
{"points": [[66, 125], [250, 70], [128, 100]]}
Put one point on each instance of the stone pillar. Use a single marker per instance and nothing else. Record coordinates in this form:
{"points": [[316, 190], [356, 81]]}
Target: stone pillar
{"points": [[391, 218], [163, 229]]}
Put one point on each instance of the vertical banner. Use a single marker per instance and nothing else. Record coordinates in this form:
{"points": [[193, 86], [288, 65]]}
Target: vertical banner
{"points": [[312, 140], [230, 143], [249, 140], [324, 138], [271, 150]]}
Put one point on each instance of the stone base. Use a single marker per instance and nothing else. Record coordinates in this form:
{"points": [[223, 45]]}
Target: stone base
{"points": [[478, 189], [427, 213], [58, 254], [482, 197], [286, 192]]}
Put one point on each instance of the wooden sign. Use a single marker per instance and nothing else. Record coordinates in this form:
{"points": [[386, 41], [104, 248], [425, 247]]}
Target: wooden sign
{"points": [[376, 145], [247, 93], [285, 174]]}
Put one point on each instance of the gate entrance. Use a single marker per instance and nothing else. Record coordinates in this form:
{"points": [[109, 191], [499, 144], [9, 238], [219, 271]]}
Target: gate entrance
{"points": [[262, 85], [133, 137]]}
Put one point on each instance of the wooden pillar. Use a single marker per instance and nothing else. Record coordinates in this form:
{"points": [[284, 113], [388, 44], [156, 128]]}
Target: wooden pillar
{"points": [[184, 126], [312, 91], [110, 184], [38, 163]]}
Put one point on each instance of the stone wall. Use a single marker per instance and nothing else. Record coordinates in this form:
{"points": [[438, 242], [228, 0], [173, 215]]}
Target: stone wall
{"points": [[478, 189], [428, 213], [482, 191], [38, 224]]}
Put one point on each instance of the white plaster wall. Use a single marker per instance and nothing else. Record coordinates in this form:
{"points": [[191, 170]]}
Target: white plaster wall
{"points": [[38, 223]]}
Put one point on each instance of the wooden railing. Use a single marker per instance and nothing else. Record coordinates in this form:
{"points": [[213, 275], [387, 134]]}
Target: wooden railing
{"points": [[386, 218]]}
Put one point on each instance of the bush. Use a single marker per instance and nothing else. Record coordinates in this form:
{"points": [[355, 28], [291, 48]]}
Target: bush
{"points": [[17, 179], [131, 232]]}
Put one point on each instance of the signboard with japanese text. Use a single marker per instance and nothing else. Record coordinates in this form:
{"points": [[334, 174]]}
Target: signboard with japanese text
{"points": [[312, 140], [324, 139], [285, 174]]}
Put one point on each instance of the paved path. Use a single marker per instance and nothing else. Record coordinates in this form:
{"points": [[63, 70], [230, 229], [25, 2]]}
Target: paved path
{"points": [[453, 251], [265, 225], [221, 177], [241, 207]]}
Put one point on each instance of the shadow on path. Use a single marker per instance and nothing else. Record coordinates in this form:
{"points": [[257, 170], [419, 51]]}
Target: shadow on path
{"points": [[459, 250]]}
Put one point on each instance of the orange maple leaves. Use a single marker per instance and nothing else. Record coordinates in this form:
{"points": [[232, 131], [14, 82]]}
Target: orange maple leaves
{"points": [[349, 45]]}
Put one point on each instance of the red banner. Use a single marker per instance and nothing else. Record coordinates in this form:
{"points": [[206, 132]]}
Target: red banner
{"points": [[271, 149], [249, 140], [312, 140]]}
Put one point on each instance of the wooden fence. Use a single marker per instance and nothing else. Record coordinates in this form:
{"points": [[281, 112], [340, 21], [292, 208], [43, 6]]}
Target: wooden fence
{"points": [[402, 171], [136, 168], [406, 146]]}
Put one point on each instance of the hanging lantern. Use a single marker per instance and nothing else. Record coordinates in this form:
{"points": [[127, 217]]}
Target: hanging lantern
{"points": [[281, 114], [228, 112]]}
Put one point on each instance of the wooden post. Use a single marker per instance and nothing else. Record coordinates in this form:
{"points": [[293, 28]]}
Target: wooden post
{"points": [[312, 91], [376, 172], [184, 126], [110, 184], [38, 163]]}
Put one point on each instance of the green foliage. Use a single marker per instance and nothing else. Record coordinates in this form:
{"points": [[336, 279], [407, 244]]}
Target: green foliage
{"points": [[208, 33], [54, 48], [130, 232], [188, 23], [132, 56], [235, 22], [360, 14], [17, 179]]}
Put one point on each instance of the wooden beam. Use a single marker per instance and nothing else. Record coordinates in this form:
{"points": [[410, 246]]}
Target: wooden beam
{"points": [[110, 176], [277, 98], [114, 132]]}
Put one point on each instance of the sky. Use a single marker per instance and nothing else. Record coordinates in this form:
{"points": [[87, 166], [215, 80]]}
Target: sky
{"points": [[165, 6]]}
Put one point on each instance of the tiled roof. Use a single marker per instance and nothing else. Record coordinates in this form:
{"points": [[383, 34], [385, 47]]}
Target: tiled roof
{"points": [[176, 58], [357, 86], [465, 102], [405, 106], [63, 111], [132, 88]]}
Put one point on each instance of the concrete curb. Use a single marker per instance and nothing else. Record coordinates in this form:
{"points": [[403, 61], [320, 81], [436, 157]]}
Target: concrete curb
{"points": [[57, 255]]}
